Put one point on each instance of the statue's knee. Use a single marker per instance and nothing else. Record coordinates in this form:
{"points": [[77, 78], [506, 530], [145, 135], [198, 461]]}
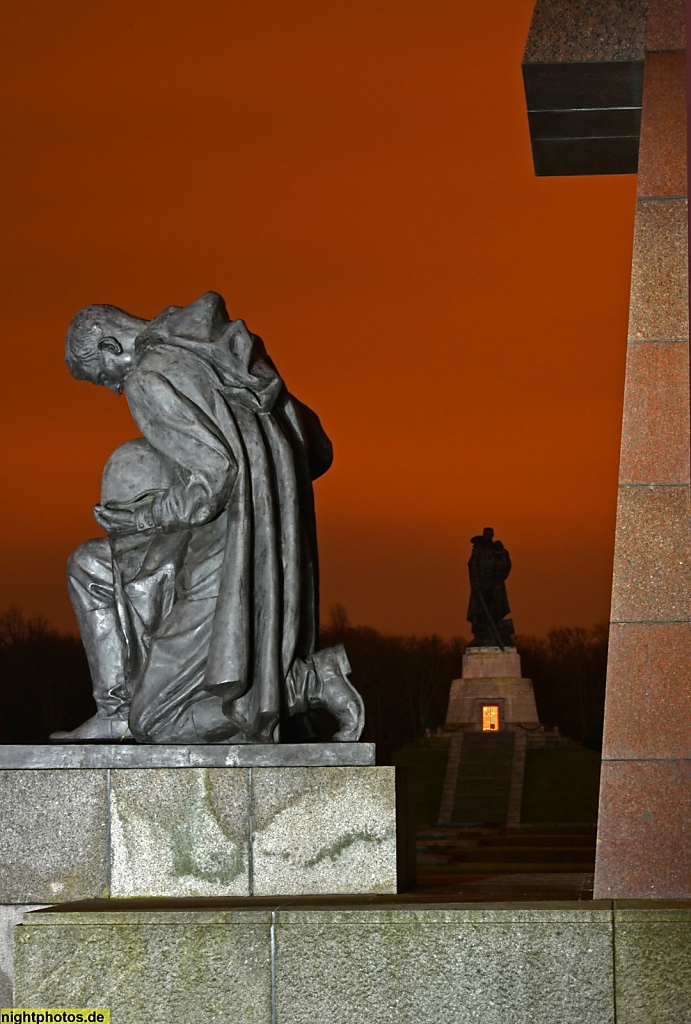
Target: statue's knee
{"points": [[77, 561], [89, 556], [92, 558]]}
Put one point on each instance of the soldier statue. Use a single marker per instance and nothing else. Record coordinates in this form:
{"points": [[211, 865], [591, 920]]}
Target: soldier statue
{"points": [[489, 565]]}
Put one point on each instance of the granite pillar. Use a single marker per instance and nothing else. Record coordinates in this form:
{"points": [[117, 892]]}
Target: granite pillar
{"points": [[644, 834], [593, 55]]}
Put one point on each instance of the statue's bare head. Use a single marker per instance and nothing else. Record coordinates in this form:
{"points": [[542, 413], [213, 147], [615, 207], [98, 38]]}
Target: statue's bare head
{"points": [[100, 345]]}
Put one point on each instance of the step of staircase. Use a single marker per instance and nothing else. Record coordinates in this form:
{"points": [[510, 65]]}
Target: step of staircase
{"points": [[526, 849], [483, 780]]}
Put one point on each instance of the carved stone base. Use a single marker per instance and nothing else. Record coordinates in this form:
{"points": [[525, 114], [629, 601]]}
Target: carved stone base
{"points": [[74, 833]]}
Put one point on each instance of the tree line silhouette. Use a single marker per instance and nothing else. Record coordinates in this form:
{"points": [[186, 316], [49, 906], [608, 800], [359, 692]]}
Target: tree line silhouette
{"points": [[404, 680]]}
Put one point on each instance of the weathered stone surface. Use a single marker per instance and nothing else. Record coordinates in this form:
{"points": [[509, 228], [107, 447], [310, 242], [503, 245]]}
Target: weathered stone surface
{"points": [[10, 915], [76, 833], [644, 838], [655, 448], [180, 832], [666, 25], [157, 968], [659, 278], [445, 965], [53, 836], [652, 950], [662, 166], [491, 663], [221, 755], [373, 962], [648, 714], [644, 830], [324, 830], [652, 555]]}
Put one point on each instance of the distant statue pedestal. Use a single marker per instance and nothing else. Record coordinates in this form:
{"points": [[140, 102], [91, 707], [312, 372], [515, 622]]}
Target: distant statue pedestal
{"points": [[491, 710], [491, 695]]}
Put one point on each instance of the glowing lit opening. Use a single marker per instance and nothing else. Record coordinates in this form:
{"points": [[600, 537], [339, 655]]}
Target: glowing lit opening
{"points": [[490, 718]]}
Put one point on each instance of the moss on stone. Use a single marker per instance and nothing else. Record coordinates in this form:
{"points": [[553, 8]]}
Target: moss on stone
{"points": [[335, 849]]}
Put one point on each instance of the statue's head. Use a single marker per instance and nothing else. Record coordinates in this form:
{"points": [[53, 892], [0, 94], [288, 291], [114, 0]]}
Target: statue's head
{"points": [[488, 533], [100, 345]]}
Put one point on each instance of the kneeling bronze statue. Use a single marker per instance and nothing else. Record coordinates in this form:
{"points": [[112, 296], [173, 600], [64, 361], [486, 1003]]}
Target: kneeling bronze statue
{"points": [[198, 610]]}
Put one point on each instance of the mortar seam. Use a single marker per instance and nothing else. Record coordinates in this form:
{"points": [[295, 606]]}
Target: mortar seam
{"points": [[648, 484], [649, 622]]}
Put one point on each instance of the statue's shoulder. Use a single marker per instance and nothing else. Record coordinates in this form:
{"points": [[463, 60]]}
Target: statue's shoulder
{"points": [[155, 358], [159, 360]]}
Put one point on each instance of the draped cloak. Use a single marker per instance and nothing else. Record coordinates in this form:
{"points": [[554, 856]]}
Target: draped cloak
{"points": [[236, 523], [488, 567]]}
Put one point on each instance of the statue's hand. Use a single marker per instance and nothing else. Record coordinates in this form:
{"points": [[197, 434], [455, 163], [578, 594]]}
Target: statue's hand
{"points": [[115, 520]]}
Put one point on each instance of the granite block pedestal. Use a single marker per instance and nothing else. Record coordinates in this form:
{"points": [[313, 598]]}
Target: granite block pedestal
{"points": [[178, 821], [85, 821]]}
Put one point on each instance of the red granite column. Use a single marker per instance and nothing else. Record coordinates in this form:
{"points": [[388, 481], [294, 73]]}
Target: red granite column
{"points": [[644, 833]]}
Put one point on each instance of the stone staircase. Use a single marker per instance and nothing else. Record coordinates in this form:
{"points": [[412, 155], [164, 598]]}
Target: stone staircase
{"points": [[528, 849], [484, 778]]}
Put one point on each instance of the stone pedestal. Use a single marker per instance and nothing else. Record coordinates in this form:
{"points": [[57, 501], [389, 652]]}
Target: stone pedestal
{"points": [[491, 677], [80, 821], [200, 829]]}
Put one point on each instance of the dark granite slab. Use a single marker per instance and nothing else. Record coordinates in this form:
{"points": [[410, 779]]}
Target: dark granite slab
{"points": [[567, 87], [584, 118], [585, 124], [133, 755], [618, 155], [583, 77]]}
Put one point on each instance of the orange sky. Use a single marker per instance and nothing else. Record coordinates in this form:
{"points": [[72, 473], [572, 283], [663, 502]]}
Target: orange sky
{"points": [[354, 176]]}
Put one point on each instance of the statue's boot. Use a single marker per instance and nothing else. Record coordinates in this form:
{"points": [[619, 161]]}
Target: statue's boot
{"points": [[97, 729], [329, 688], [106, 654]]}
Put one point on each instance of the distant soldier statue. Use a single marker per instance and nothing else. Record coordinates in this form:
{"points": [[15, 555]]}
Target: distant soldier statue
{"points": [[489, 565]]}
